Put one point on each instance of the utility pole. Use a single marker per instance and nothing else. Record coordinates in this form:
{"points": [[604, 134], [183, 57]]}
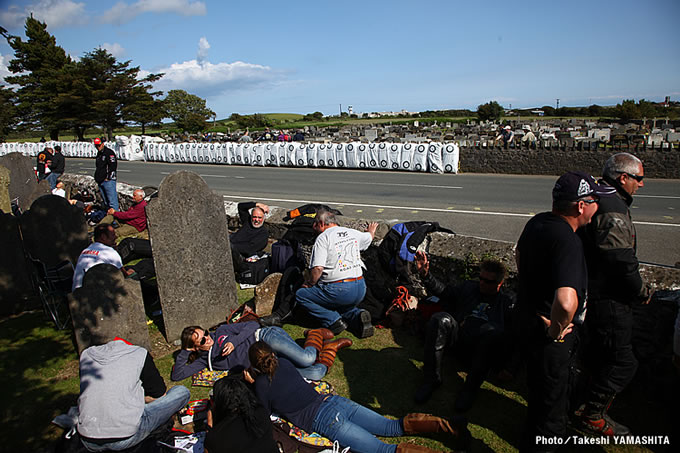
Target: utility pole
{"points": [[340, 109]]}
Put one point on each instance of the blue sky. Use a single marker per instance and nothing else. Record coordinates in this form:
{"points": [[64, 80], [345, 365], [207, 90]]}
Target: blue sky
{"points": [[305, 56]]}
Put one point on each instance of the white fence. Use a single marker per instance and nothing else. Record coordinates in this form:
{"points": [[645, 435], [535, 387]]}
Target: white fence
{"points": [[431, 157]]}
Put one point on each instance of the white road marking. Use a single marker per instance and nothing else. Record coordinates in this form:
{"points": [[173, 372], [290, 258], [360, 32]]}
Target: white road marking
{"points": [[119, 171], [214, 176], [411, 208], [657, 196]]}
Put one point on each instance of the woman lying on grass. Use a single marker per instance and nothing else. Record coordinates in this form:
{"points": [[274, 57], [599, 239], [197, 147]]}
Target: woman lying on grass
{"points": [[283, 392], [227, 348]]}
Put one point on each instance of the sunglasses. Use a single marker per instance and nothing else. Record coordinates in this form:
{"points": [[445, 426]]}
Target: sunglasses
{"points": [[204, 338], [589, 201], [638, 178]]}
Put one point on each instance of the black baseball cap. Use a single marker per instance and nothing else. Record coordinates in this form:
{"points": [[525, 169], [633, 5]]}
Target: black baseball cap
{"points": [[575, 185]]}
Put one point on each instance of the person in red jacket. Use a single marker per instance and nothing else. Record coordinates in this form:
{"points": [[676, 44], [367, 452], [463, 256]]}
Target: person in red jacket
{"points": [[133, 221]]}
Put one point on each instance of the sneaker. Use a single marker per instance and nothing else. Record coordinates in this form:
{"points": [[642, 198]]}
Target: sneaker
{"points": [[603, 425], [365, 327]]}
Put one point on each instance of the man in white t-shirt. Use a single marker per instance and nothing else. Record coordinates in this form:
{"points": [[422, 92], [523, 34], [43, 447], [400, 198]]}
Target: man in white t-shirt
{"points": [[101, 251], [335, 285]]}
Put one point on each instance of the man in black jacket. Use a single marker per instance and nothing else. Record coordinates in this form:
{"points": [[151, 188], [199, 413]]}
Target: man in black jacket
{"points": [[106, 165], [57, 168], [473, 319], [614, 285], [252, 237]]}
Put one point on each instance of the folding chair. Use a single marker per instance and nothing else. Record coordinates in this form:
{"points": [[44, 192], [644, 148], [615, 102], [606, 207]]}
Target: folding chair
{"points": [[53, 285]]}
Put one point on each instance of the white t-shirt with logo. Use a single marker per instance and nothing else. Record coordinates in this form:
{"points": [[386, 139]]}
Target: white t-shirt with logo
{"points": [[337, 250], [97, 253]]}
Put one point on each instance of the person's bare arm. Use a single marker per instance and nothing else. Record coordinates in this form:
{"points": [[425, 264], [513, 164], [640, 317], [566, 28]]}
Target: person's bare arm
{"points": [[562, 313], [422, 263], [263, 206], [372, 227], [314, 276]]}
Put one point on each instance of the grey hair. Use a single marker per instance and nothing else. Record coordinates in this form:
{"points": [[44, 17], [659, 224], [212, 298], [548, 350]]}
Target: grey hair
{"points": [[325, 217], [621, 163]]}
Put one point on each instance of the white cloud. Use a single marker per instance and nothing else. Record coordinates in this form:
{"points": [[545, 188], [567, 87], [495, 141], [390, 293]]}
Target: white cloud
{"points": [[203, 47], [4, 72], [123, 12], [114, 49], [55, 13], [206, 79]]}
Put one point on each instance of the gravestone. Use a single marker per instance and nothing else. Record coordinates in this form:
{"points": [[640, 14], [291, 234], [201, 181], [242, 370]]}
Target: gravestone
{"points": [[54, 230], [192, 254], [265, 294], [5, 205], [15, 282], [371, 134], [107, 306], [23, 184]]}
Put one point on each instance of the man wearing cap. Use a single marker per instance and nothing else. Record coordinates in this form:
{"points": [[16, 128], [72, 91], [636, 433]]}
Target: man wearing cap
{"points": [[614, 286], [335, 284], [105, 173], [57, 167], [506, 135], [551, 301]]}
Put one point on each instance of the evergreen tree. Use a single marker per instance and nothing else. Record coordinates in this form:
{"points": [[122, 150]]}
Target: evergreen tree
{"points": [[39, 64], [7, 112], [113, 88]]}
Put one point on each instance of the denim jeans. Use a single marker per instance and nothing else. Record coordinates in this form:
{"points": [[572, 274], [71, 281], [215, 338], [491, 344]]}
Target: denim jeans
{"points": [[109, 193], [155, 414], [303, 358], [355, 426], [52, 179], [328, 302]]}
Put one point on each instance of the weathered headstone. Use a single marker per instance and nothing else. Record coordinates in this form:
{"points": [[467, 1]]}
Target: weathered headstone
{"points": [[23, 184], [108, 306], [371, 134], [5, 205], [15, 283], [192, 254], [54, 230], [265, 294]]}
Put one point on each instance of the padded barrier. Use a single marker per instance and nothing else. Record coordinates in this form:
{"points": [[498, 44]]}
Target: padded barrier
{"points": [[424, 157]]}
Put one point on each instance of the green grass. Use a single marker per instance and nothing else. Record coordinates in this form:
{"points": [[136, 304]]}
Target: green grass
{"points": [[39, 378]]}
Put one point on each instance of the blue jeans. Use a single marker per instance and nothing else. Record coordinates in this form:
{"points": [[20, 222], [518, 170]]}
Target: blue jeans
{"points": [[303, 358], [355, 426], [155, 414], [109, 193], [52, 179], [328, 302]]}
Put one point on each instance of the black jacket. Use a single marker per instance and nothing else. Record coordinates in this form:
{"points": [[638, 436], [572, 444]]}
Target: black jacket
{"points": [[58, 163], [248, 240], [610, 245], [106, 165]]}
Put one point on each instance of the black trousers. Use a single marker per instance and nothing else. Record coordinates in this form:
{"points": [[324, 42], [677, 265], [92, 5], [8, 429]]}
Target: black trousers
{"points": [[610, 350], [549, 366]]}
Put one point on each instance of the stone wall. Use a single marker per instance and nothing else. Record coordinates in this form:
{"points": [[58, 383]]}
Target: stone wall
{"points": [[658, 163]]}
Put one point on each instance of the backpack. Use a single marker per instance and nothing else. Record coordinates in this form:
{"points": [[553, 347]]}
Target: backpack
{"points": [[399, 246], [284, 255]]}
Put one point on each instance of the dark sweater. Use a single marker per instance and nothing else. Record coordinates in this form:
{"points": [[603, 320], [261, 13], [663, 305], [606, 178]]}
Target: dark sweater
{"points": [[289, 396], [248, 240], [241, 335], [231, 436]]}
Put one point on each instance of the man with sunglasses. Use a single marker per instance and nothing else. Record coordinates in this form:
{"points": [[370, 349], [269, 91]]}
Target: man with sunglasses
{"points": [[614, 285], [473, 320], [550, 308]]}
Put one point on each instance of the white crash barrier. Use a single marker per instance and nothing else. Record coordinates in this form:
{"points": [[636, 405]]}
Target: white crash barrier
{"points": [[434, 158], [450, 157], [423, 157]]}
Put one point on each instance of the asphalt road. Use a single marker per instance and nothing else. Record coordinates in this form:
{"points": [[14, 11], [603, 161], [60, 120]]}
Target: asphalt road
{"points": [[483, 205]]}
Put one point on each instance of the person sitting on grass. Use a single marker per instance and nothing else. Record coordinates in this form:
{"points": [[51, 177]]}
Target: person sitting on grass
{"points": [[227, 349], [282, 391], [238, 422]]}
